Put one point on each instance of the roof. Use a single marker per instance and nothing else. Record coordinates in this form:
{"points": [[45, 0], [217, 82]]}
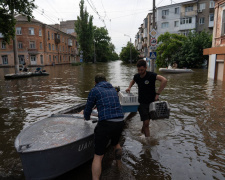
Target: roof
{"points": [[183, 3]]}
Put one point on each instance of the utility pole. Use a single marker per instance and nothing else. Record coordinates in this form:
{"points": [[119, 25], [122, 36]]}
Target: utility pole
{"points": [[130, 51], [94, 53], [153, 27]]}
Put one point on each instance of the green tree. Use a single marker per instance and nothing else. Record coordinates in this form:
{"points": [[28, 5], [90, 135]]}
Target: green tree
{"points": [[84, 30], [102, 41], [125, 53], [170, 45], [104, 49], [7, 10], [191, 53]]}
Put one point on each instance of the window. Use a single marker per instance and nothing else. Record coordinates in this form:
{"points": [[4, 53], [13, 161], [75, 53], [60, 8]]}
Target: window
{"points": [[63, 39], [50, 58], [212, 4], [48, 35], [31, 31], [52, 36], [202, 6], [186, 20], [20, 45], [188, 8], [32, 44], [63, 48], [176, 23], [53, 48], [165, 12], [201, 20], [5, 59], [21, 59], [58, 36], [53, 58], [3, 45], [211, 17], [32, 58], [49, 46], [41, 56], [41, 45], [18, 31], [56, 47], [165, 25], [40, 32], [177, 10], [223, 23], [60, 48]]}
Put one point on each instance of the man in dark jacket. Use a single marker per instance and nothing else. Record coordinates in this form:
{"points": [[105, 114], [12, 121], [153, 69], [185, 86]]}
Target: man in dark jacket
{"points": [[110, 121]]}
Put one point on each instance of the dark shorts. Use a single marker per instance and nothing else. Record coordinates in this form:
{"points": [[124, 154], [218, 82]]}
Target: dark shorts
{"points": [[144, 112], [105, 131]]}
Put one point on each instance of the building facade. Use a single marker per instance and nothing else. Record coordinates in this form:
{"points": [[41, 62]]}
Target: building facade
{"points": [[38, 44], [179, 18], [168, 19], [205, 15], [216, 65]]}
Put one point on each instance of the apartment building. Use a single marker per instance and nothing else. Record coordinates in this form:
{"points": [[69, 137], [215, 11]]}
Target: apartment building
{"points": [[179, 18], [142, 38], [38, 44], [168, 18], [216, 65], [205, 15]]}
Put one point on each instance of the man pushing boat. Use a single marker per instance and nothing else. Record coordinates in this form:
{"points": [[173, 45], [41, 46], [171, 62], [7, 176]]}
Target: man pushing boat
{"points": [[110, 121]]}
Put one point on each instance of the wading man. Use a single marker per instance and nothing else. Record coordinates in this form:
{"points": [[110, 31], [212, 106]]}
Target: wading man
{"points": [[110, 121], [146, 92]]}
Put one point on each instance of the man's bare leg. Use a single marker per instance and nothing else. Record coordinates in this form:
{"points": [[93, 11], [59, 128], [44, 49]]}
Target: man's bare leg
{"points": [[145, 128], [97, 167], [118, 154]]}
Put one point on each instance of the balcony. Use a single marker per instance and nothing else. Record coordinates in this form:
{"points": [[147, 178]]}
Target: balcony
{"points": [[57, 38], [70, 42], [211, 24], [145, 33]]}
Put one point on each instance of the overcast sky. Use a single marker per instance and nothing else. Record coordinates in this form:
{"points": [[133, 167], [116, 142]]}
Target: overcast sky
{"points": [[120, 16]]}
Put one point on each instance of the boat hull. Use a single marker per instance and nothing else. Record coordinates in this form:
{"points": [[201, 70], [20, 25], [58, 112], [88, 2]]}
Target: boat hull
{"points": [[165, 70], [51, 163]]}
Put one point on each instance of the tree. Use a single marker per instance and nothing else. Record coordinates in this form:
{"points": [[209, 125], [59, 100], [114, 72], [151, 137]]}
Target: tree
{"points": [[170, 45], [185, 51], [84, 30], [191, 53], [125, 53], [7, 10], [102, 41], [104, 49]]}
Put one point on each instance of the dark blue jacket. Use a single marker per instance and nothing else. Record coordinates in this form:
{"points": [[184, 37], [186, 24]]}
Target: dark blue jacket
{"points": [[105, 97]]}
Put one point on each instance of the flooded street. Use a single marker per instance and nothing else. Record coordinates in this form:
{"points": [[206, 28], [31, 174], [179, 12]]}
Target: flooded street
{"points": [[188, 145]]}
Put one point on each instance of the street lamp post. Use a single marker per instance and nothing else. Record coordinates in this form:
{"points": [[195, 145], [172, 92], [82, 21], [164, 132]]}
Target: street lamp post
{"points": [[130, 48]]}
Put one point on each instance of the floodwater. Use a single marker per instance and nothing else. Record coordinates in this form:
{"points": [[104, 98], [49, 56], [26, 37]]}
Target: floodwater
{"points": [[188, 145]]}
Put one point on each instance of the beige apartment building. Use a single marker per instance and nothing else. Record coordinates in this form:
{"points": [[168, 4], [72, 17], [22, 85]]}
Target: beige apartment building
{"points": [[38, 44]]}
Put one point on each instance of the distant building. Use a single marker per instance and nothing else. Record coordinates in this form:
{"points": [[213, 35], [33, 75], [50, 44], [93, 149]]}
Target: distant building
{"points": [[39, 44], [168, 19], [216, 65], [205, 15], [179, 18]]}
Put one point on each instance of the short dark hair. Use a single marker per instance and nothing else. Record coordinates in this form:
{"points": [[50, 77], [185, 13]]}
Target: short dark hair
{"points": [[141, 62], [99, 78]]}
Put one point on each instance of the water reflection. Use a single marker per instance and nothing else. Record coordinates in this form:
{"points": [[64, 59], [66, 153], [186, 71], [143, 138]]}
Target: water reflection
{"points": [[189, 145]]}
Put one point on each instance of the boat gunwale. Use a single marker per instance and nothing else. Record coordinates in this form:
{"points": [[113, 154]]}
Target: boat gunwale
{"points": [[17, 141]]}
